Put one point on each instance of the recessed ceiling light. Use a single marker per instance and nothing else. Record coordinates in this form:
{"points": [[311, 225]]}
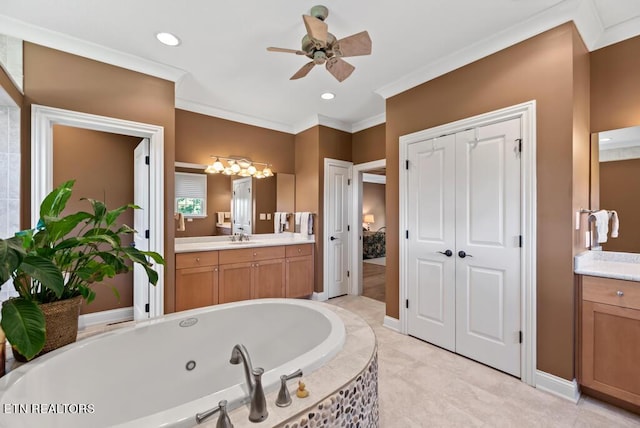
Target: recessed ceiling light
{"points": [[168, 39], [328, 96]]}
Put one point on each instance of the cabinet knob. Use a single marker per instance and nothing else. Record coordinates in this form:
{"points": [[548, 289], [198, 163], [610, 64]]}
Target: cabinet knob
{"points": [[198, 259], [255, 254], [620, 293], [299, 250]]}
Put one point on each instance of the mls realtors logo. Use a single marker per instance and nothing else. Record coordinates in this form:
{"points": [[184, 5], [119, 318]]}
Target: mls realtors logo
{"points": [[48, 408]]}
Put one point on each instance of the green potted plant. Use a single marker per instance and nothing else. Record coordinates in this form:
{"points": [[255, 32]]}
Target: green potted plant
{"points": [[55, 265]]}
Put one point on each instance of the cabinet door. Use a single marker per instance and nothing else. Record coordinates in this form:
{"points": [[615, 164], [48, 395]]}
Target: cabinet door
{"points": [[269, 278], [235, 282], [196, 287], [611, 350], [299, 278]]}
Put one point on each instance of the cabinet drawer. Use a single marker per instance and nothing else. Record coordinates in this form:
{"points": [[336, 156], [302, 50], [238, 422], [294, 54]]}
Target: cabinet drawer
{"points": [[299, 250], [609, 291], [197, 259], [251, 254]]}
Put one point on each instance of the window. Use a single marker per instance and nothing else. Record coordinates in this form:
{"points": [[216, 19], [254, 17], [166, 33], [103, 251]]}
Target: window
{"points": [[191, 194]]}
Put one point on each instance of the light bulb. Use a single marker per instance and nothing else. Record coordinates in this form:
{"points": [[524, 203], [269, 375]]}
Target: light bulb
{"points": [[217, 165], [251, 170], [235, 167], [210, 169], [267, 172]]}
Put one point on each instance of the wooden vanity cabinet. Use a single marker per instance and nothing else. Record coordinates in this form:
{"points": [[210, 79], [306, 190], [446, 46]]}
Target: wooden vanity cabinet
{"points": [[210, 277], [609, 337], [196, 279], [299, 270], [251, 273]]}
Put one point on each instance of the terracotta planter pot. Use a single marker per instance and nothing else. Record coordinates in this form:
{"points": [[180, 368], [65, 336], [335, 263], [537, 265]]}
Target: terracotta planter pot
{"points": [[61, 325]]}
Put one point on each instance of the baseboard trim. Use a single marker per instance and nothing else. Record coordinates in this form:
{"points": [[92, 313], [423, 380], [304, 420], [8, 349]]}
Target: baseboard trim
{"points": [[105, 317], [320, 297], [391, 323], [569, 390]]}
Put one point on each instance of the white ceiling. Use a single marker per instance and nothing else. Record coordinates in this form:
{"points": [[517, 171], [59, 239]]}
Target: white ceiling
{"points": [[222, 67]]}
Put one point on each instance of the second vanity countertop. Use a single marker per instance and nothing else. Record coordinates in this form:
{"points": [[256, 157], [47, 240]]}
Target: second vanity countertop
{"points": [[609, 264], [211, 243]]}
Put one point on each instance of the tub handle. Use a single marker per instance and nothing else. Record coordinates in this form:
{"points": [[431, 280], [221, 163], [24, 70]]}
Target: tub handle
{"points": [[284, 398], [223, 420]]}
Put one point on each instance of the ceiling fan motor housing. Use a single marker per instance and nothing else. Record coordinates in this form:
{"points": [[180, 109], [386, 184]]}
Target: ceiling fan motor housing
{"points": [[320, 12]]}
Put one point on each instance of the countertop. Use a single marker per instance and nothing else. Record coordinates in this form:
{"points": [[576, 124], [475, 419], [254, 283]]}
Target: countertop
{"points": [[608, 264], [210, 243]]}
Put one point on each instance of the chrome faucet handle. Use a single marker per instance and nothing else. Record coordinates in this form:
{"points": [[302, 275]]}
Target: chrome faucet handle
{"points": [[284, 398], [223, 420], [258, 409]]}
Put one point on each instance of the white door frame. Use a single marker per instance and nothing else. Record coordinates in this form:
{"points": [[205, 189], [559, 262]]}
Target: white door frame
{"points": [[42, 120], [325, 226], [527, 113], [356, 222]]}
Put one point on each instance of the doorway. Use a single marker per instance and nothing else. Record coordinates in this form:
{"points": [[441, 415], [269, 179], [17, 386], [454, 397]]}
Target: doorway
{"points": [[444, 215], [368, 256], [43, 120]]}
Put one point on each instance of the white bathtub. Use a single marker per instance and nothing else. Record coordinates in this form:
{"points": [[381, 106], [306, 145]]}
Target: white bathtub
{"points": [[137, 376]]}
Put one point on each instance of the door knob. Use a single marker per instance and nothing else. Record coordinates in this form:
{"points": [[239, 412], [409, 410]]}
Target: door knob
{"points": [[447, 253], [333, 238], [462, 254]]}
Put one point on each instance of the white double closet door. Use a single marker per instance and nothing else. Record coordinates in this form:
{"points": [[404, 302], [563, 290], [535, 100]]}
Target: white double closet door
{"points": [[463, 250]]}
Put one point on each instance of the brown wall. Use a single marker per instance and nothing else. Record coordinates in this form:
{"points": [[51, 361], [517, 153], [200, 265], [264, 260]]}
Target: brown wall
{"points": [[264, 201], [198, 137], [57, 79], [369, 144], [102, 165], [615, 86], [373, 195], [619, 180], [538, 69]]}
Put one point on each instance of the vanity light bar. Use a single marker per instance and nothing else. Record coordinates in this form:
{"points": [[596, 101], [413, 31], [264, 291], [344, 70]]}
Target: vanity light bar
{"points": [[238, 166]]}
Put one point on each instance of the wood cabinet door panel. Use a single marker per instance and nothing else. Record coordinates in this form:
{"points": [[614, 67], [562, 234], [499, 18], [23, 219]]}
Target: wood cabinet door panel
{"points": [[299, 278], [196, 287], [269, 278], [234, 282], [611, 350]]}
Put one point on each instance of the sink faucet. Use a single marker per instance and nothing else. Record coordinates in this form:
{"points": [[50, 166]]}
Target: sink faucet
{"points": [[258, 407]]}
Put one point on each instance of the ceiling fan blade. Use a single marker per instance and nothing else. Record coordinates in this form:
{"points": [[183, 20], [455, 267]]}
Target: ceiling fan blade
{"points": [[355, 45], [339, 68], [303, 71], [297, 52], [316, 29]]}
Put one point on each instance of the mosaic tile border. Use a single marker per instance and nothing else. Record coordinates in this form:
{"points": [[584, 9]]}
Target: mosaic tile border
{"points": [[354, 405]]}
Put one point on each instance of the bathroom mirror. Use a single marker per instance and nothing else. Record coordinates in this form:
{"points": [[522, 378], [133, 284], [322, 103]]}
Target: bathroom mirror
{"points": [[270, 194], [615, 183]]}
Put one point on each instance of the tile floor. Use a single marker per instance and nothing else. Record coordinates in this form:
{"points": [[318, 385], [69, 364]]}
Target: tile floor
{"points": [[421, 385]]}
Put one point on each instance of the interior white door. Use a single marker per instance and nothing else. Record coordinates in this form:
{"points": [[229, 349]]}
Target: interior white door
{"points": [[463, 245], [141, 225], [241, 206], [337, 180], [431, 241], [488, 245]]}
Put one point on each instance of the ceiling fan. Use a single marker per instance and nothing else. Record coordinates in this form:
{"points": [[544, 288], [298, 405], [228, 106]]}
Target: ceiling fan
{"points": [[323, 47]]}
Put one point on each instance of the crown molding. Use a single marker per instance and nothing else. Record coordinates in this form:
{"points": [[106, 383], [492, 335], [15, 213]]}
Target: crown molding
{"points": [[208, 110], [369, 122], [549, 18], [334, 123], [617, 33], [55, 40], [588, 23]]}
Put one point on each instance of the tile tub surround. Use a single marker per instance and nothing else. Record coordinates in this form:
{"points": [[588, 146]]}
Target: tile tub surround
{"points": [[210, 243], [608, 264], [355, 366]]}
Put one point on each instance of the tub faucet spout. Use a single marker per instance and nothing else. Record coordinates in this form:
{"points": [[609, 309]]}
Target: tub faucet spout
{"points": [[258, 407], [239, 354]]}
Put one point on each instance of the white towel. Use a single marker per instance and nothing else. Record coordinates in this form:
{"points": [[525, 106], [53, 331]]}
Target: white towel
{"points": [[276, 223], [227, 214], [306, 223], [615, 224], [220, 217], [283, 221], [601, 219]]}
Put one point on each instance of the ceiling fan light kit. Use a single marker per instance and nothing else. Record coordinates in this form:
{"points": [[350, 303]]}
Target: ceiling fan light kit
{"points": [[322, 47]]}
